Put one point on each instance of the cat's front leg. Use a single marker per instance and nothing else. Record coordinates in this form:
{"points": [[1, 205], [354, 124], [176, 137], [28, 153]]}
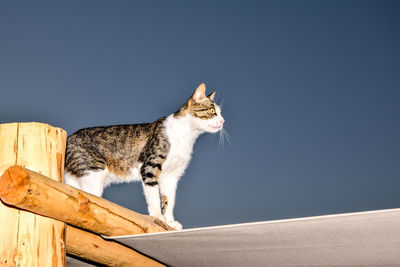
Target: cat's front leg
{"points": [[168, 192], [152, 194], [150, 172]]}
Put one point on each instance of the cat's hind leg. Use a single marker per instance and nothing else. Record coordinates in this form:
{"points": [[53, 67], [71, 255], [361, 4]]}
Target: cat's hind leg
{"points": [[93, 182], [71, 180]]}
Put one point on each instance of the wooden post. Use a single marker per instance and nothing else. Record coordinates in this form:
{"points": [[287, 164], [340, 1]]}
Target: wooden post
{"points": [[27, 239]]}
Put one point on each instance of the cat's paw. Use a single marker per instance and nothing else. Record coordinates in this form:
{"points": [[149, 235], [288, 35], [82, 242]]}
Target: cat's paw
{"points": [[175, 224]]}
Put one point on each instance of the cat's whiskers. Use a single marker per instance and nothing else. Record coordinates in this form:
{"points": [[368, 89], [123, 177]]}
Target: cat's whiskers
{"points": [[222, 135], [221, 140], [227, 136]]}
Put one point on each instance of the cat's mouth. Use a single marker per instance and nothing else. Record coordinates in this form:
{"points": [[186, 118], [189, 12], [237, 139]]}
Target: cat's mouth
{"points": [[218, 127]]}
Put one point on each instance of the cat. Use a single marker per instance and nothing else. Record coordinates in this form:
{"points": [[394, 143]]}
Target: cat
{"points": [[156, 153]]}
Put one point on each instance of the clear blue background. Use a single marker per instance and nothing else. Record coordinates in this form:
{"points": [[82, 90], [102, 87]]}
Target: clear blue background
{"points": [[311, 94]]}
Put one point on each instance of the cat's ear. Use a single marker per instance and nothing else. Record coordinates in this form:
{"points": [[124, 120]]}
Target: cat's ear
{"points": [[211, 96], [200, 93]]}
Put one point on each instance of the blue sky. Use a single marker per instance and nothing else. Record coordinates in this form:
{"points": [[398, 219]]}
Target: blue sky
{"points": [[310, 94]]}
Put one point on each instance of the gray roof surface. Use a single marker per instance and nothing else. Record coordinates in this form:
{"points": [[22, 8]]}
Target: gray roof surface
{"points": [[355, 239]]}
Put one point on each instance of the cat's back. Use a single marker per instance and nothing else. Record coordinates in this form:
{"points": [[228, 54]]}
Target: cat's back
{"points": [[115, 134], [116, 146]]}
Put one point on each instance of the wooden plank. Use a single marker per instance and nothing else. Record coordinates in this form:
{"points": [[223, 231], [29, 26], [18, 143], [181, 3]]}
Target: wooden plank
{"points": [[34, 192]]}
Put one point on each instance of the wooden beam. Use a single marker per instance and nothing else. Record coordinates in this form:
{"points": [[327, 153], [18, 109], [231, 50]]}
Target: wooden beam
{"points": [[94, 248], [34, 192], [27, 239]]}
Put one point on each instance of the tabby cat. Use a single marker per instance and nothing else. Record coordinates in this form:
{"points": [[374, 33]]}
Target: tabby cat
{"points": [[156, 153]]}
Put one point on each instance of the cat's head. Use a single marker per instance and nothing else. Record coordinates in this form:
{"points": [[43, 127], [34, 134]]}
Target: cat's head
{"points": [[202, 112]]}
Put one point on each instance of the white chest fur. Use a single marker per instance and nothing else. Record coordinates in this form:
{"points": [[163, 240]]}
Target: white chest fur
{"points": [[182, 138]]}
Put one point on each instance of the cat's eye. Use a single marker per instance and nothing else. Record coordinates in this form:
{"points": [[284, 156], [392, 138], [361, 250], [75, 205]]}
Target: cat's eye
{"points": [[212, 110]]}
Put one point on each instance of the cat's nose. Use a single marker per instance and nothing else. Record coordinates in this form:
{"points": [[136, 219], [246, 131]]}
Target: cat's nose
{"points": [[222, 121]]}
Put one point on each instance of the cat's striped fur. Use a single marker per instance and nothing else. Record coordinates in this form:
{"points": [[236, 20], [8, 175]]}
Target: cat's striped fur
{"points": [[156, 154]]}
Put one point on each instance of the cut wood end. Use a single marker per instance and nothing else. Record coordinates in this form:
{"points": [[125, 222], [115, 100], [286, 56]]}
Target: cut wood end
{"points": [[14, 184]]}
